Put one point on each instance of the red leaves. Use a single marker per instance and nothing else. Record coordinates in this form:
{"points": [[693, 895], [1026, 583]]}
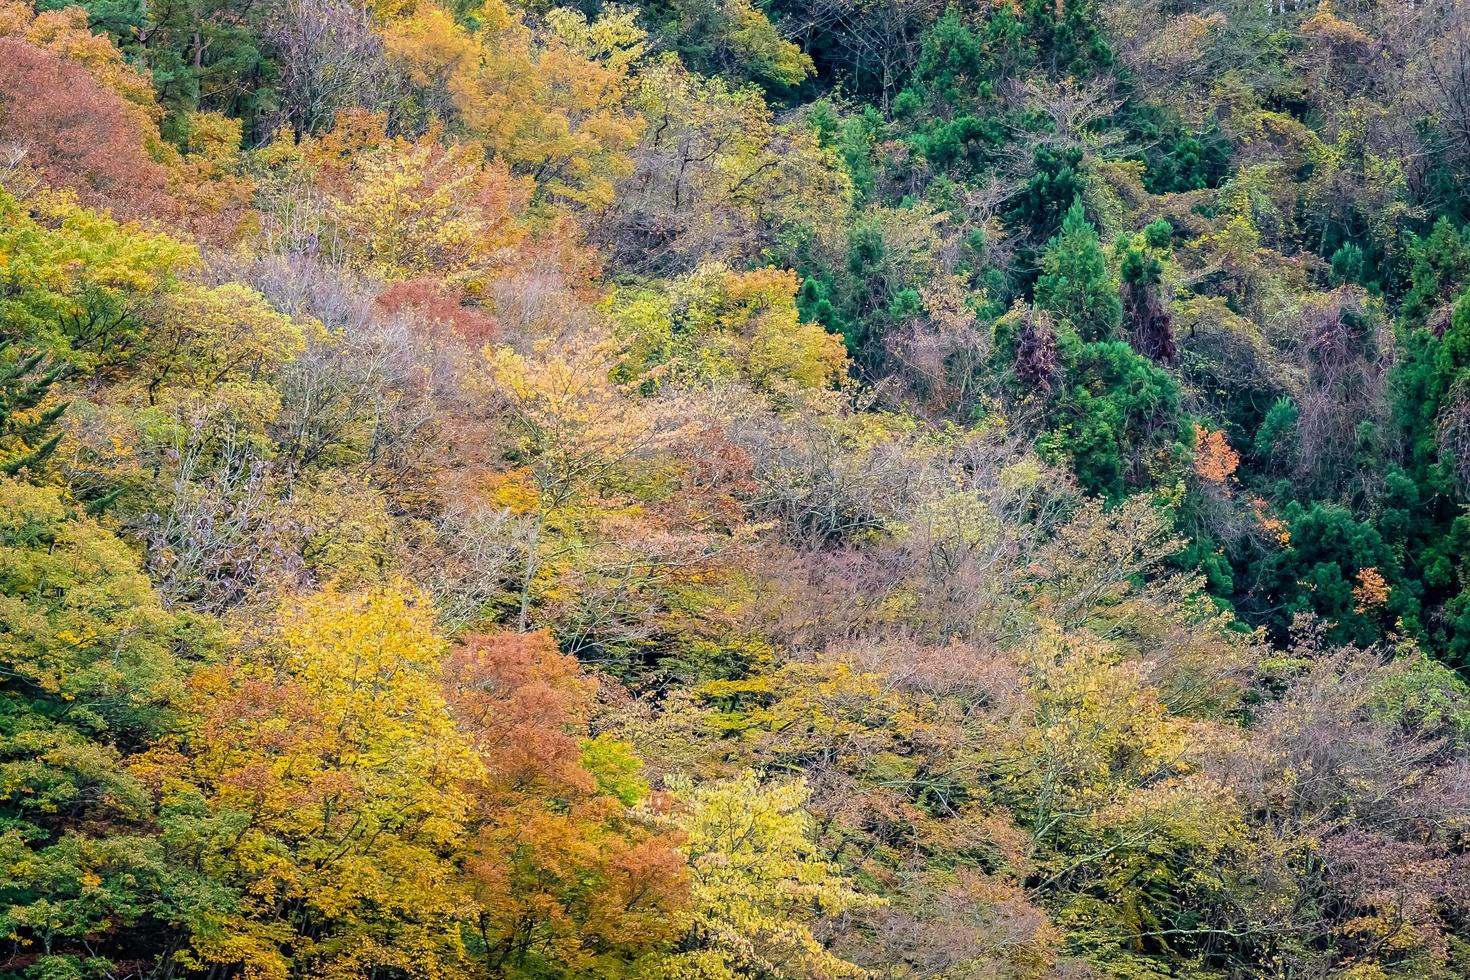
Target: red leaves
{"points": [[520, 699], [75, 134], [560, 867], [441, 307]]}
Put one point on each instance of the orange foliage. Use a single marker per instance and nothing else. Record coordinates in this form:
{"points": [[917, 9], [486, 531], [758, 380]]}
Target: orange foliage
{"points": [[1274, 526], [1371, 591], [520, 699], [1214, 460], [441, 306], [560, 866]]}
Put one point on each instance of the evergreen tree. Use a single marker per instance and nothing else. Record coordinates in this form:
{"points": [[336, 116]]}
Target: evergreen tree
{"points": [[1075, 283], [27, 435]]}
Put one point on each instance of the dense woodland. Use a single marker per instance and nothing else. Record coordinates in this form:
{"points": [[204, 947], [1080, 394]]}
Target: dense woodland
{"points": [[731, 491]]}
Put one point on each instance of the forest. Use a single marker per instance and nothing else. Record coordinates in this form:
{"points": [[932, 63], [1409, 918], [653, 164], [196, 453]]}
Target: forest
{"points": [[734, 489]]}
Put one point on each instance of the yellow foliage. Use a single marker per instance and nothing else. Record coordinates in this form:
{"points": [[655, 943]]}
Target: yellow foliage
{"points": [[719, 323], [398, 208], [758, 882], [335, 746], [551, 107]]}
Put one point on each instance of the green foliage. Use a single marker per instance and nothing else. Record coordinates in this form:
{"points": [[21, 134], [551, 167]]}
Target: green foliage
{"points": [[93, 667], [1187, 161], [78, 285], [1322, 573], [1075, 282], [1118, 420], [1440, 266], [1272, 439], [208, 56], [1054, 187], [27, 430]]}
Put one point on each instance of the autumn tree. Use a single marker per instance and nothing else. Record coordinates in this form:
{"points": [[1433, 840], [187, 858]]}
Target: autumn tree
{"points": [[59, 124], [321, 780], [566, 875], [552, 107], [758, 884]]}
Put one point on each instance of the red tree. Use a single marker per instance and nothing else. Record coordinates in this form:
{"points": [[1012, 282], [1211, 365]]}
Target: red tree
{"points": [[61, 126]]}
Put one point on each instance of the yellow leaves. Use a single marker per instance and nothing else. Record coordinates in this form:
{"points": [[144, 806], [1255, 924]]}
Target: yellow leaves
{"points": [[957, 516], [514, 491], [210, 335], [396, 208], [759, 884], [755, 40], [552, 107], [413, 209], [370, 662], [719, 323], [1097, 718], [614, 38], [722, 171], [208, 181], [334, 742], [578, 426], [1371, 592]]}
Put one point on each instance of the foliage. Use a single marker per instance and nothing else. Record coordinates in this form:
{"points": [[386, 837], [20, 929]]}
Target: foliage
{"points": [[732, 490]]}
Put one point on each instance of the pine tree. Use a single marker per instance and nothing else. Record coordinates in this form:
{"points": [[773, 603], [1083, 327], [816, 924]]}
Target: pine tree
{"points": [[26, 431], [1075, 283]]}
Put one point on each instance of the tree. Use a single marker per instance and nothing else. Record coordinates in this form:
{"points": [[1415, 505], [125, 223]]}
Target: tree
{"points": [[93, 669], [566, 875], [1118, 420], [1075, 283], [26, 436], [58, 123], [321, 781], [736, 39], [717, 323], [331, 60], [577, 432], [1145, 306], [553, 107], [758, 885], [716, 176], [78, 285], [396, 208]]}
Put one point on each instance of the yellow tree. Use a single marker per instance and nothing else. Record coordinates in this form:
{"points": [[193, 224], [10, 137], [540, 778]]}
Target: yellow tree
{"points": [[719, 324], [208, 337], [1111, 785], [759, 884], [552, 106], [396, 208], [576, 429], [335, 780]]}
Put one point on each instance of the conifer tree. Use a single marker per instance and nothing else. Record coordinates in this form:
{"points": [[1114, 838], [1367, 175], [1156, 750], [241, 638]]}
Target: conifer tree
{"points": [[26, 433], [1075, 283]]}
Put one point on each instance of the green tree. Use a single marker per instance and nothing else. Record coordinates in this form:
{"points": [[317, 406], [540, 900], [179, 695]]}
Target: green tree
{"points": [[27, 429], [90, 671], [1075, 283]]}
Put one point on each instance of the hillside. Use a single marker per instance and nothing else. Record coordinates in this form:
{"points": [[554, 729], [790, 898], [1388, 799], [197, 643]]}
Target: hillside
{"points": [[721, 490]]}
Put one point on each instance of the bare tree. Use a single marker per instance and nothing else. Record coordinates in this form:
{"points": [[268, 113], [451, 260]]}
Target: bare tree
{"points": [[331, 59]]}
